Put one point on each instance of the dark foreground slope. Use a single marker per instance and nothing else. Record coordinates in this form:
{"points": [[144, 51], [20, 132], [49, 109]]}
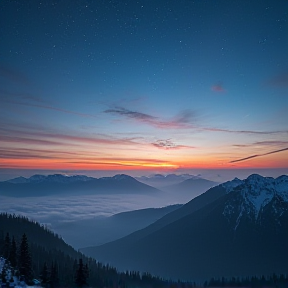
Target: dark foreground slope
{"points": [[243, 231], [47, 247]]}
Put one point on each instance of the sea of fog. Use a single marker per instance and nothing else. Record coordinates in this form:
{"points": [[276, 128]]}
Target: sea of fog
{"points": [[52, 210], [80, 220]]}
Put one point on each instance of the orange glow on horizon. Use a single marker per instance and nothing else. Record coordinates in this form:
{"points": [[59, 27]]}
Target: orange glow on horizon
{"points": [[201, 162]]}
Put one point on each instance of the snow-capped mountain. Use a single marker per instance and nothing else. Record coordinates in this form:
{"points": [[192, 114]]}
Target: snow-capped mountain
{"points": [[230, 185], [252, 197]]}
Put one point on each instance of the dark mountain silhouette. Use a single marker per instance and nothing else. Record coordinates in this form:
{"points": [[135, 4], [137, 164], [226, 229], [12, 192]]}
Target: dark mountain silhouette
{"points": [[237, 228], [98, 231], [40, 185]]}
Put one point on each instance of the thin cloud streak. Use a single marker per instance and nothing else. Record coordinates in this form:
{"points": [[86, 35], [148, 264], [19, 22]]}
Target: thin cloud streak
{"points": [[183, 120], [61, 139], [23, 153], [258, 155], [16, 139], [245, 131], [263, 143]]}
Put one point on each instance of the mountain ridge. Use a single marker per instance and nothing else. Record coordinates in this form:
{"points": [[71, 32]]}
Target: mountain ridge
{"points": [[40, 185]]}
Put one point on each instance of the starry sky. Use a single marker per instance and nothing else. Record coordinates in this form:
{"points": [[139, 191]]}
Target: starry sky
{"points": [[143, 85]]}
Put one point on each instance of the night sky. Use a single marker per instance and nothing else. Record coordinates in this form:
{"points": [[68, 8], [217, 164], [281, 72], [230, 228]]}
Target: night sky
{"points": [[151, 85]]}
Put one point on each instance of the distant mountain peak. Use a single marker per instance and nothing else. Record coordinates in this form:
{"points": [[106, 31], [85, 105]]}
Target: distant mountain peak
{"points": [[122, 177]]}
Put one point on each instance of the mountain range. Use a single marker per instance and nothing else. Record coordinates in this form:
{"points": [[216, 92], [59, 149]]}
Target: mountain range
{"points": [[40, 185], [238, 228], [159, 180]]}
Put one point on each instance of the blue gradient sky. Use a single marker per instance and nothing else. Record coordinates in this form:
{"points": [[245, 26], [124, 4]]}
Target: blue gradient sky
{"points": [[145, 85]]}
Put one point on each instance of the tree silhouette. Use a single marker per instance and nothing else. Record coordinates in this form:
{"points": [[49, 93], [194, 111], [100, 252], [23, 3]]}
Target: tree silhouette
{"points": [[13, 253], [25, 264], [54, 278], [44, 275], [81, 275], [7, 245]]}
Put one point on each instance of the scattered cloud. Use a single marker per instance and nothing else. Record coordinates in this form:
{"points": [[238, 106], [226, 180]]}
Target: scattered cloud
{"points": [[258, 155], [169, 145], [218, 88]]}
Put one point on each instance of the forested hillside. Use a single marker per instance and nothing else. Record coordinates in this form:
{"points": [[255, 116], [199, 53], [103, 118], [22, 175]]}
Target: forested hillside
{"points": [[57, 263]]}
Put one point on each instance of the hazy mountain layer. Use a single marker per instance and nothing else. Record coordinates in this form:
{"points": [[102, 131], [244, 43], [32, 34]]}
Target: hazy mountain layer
{"points": [[40, 185], [101, 230]]}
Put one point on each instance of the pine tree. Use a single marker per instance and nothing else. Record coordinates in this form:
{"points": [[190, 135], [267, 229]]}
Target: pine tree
{"points": [[86, 271], [13, 253], [54, 280], [80, 277], [44, 274], [7, 244], [25, 263]]}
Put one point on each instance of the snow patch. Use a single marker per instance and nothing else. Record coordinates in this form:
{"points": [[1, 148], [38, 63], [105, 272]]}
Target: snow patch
{"points": [[230, 185]]}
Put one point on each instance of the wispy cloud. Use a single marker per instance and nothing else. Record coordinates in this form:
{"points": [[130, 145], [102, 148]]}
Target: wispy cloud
{"points": [[169, 145], [182, 120], [258, 155], [25, 153], [272, 143], [45, 138], [131, 114], [214, 129], [25, 140]]}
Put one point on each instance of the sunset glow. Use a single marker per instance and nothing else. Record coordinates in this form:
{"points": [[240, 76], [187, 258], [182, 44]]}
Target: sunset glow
{"points": [[90, 92]]}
